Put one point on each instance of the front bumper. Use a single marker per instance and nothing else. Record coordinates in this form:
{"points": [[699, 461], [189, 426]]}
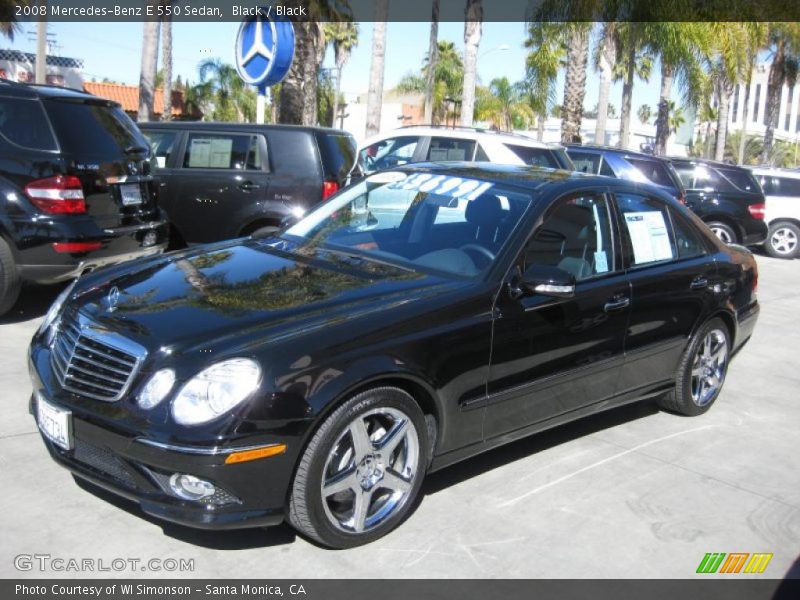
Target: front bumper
{"points": [[109, 453]]}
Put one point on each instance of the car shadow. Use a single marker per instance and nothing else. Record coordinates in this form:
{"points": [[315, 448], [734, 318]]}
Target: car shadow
{"points": [[33, 302]]}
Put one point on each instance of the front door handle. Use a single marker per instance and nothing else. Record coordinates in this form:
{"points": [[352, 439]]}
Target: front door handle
{"points": [[617, 303], [699, 283], [248, 186]]}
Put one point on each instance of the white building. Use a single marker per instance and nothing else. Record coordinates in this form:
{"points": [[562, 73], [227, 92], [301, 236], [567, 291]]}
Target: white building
{"points": [[21, 67]]}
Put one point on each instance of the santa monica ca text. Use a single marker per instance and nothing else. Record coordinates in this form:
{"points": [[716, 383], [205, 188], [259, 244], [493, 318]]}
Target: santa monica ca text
{"points": [[141, 589]]}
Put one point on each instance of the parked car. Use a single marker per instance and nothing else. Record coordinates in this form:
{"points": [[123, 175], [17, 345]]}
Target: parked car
{"points": [[782, 191], [318, 375], [218, 181], [420, 143], [75, 187], [726, 197], [627, 164]]}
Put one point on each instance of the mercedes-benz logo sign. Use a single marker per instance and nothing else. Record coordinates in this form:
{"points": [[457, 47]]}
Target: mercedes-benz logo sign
{"points": [[112, 299], [250, 45]]}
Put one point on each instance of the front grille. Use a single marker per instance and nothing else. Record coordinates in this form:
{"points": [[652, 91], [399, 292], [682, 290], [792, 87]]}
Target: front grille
{"points": [[86, 364], [103, 461]]}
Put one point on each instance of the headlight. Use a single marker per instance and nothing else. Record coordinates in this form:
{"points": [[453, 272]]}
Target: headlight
{"points": [[157, 388], [215, 391], [55, 308]]}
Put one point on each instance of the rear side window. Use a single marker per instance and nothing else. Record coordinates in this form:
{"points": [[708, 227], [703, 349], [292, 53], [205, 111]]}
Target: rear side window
{"points": [[389, 153], [585, 162], [222, 151], [653, 170], [781, 186], [687, 239], [649, 236], [162, 144], [338, 152], [93, 128], [742, 179], [534, 157], [443, 149], [23, 123]]}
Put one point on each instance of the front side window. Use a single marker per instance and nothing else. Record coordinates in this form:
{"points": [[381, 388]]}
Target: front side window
{"points": [[585, 162], [419, 221], [575, 236], [222, 151], [444, 149], [780, 186], [162, 144], [653, 171], [648, 233], [388, 154]]}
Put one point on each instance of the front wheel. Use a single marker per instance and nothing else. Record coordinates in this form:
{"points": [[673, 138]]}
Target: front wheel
{"points": [[362, 470], [701, 371], [783, 240]]}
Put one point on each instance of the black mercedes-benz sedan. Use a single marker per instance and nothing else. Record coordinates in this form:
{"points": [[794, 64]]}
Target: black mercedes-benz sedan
{"points": [[413, 320]]}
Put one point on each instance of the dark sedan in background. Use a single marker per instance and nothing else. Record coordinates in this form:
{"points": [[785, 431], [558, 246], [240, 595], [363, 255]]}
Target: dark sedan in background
{"points": [[415, 319]]}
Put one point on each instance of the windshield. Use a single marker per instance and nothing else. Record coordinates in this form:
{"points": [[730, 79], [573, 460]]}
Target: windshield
{"points": [[420, 221]]}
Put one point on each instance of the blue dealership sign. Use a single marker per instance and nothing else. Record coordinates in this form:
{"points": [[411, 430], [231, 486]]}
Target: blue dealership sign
{"points": [[264, 50]]}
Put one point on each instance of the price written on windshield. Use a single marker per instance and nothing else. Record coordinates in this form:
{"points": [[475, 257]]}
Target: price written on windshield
{"points": [[444, 185]]}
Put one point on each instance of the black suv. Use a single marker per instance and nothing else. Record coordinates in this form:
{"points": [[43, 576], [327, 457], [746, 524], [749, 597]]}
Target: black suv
{"points": [[728, 198], [75, 187], [626, 164], [219, 180]]}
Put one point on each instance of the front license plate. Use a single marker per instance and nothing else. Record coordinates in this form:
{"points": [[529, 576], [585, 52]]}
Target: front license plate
{"points": [[131, 194], [54, 422]]}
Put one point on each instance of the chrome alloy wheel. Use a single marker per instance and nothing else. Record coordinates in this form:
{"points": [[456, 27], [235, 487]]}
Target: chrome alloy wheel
{"points": [[709, 367], [370, 471], [722, 234], [783, 240]]}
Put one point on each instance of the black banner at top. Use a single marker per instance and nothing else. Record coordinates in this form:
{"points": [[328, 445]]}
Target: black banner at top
{"points": [[402, 10]]}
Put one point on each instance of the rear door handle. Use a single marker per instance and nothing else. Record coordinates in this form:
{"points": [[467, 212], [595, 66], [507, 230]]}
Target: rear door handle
{"points": [[248, 186], [699, 283], [617, 304]]}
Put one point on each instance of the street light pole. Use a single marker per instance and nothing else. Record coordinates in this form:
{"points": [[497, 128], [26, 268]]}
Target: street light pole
{"points": [[41, 46]]}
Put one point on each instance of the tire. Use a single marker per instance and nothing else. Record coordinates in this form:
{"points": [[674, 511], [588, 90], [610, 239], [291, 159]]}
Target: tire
{"points": [[362, 474], [783, 240], [10, 282], [694, 393], [724, 232]]}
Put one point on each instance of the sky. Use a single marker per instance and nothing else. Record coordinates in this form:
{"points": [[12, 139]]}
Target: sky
{"points": [[113, 50]]}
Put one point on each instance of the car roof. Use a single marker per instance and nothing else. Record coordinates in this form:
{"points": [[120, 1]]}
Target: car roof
{"points": [[703, 161], [614, 150], [33, 91], [219, 126], [466, 133], [776, 171]]}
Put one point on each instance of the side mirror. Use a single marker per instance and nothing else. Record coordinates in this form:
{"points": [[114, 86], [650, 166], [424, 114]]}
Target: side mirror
{"points": [[548, 281]]}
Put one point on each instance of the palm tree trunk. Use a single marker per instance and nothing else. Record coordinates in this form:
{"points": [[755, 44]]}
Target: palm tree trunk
{"points": [[540, 127], [147, 77], [575, 84], [745, 114], [725, 93], [336, 93], [290, 109], [433, 58], [662, 120], [607, 58], [627, 99], [376, 70], [166, 62], [774, 88], [473, 25], [314, 55]]}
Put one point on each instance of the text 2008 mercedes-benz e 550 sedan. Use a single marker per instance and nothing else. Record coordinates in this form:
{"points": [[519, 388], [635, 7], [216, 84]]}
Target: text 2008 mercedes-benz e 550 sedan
{"points": [[417, 318]]}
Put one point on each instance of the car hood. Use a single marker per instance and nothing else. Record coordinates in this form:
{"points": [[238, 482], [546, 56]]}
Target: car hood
{"points": [[267, 289]]}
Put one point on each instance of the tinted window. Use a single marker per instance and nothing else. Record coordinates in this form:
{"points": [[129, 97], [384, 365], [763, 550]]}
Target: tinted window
{"points": [[781, 186], [535, 157], [742, 179], [480, 155], [585, 162], [442, 149], [687, 239], [605, 169], [22, 122], [338, 153], [653, 170], [388, 153], [648, 236], [93, 129], [222, 151], [576, 237], [162, 143]]}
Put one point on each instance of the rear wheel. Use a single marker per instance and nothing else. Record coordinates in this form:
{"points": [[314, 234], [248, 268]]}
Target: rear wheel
{"points": [[783, 240], [10, 282], [701, 372], [362, 470], [724, 232]]}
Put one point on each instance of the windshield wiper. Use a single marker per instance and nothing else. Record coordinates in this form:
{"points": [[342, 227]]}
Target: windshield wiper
{"points": [[134, 149], [367, 258]]}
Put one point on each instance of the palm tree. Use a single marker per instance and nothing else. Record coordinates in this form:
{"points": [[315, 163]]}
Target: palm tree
{"points": [[473, 24], [147, 77], [676, 118], [575, 81], [758, 40], [448, 78], [8, 17], [344, 37], [547, 51], [634, 61], [605, 59], [644, 113], [233, 100], [433, 58], [376, 69], [784, 45], [166, 61], [504, 105]]}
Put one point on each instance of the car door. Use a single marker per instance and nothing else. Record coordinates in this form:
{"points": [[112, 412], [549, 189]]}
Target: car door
{"points": [[702, 187], [552, 356], [222, 175], [673, 280]]}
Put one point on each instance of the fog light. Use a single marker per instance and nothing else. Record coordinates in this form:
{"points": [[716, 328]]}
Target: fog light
{"points": [[190, 487]]}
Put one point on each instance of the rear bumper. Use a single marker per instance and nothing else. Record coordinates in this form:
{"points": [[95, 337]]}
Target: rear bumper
{"points": [[746, 323], [754, 233]]}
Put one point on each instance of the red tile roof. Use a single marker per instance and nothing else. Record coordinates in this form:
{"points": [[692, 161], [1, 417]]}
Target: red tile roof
{"points": [[128, 97]]}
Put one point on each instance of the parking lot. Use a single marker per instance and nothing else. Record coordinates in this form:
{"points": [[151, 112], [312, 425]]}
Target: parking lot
{"points": [[631, 493]]}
